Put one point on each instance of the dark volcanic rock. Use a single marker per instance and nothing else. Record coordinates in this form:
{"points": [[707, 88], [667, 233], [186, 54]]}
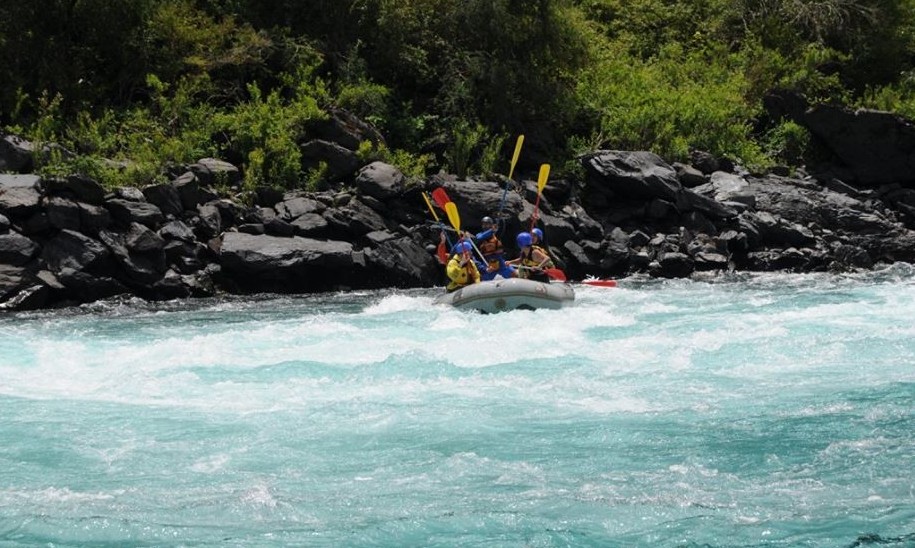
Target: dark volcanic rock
{"points": [[340, 162], [16, 249], [284, 264], [166, 198], [16, 154], [876, 148], [76, 187], [380, 180], [19, 195], [63, 213], [74, 251], [126, 212]]}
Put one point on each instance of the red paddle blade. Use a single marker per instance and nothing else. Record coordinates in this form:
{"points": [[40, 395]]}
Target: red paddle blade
{"points": [[440, 197], [600, 283], [555, 274], [442, 253]]}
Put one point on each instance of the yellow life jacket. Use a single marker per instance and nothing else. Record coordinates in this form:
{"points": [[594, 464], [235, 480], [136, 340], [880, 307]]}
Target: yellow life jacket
{"points": [[461, 276], [549, 260]]}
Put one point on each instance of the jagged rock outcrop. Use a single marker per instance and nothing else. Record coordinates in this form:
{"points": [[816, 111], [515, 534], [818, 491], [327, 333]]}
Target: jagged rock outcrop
{"points": [[68, 240]]}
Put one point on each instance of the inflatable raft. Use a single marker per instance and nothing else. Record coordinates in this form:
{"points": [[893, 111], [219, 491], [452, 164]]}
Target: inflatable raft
{"points": [[510, 294]]}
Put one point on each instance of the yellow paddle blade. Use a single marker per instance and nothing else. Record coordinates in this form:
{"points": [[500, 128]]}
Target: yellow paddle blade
{"points": [[432, 209], [453, 216], [516, 154], [544, 175]]}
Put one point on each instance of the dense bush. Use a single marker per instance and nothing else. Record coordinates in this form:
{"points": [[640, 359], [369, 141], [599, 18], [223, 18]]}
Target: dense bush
{"points": [[127, 87]]}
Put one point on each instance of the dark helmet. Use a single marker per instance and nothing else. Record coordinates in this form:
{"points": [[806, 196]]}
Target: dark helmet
{"points": [[487, 221], [461, 247], [539, 233], [523, 239]]}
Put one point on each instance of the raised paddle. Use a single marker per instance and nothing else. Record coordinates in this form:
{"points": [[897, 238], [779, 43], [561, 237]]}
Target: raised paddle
{"points": [[452, 212], [455, 219], [541, 182], [441, 197], [511, 170], [440, 251], [515, 156]]}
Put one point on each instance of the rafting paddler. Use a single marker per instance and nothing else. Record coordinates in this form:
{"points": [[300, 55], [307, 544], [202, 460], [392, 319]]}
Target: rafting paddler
{"points": [[537, 243], [493, 253], [532, 259], [461, 269]]}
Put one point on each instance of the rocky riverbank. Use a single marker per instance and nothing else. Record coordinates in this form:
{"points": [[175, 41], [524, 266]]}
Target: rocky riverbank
{"points": [[65, 241]]}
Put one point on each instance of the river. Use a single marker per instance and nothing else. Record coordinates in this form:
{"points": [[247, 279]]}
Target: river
{"points": [[745, 410]]}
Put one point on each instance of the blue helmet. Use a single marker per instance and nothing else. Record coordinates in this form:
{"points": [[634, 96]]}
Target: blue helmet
{"points": [[524, 239], [539, 233], [461, 247]]}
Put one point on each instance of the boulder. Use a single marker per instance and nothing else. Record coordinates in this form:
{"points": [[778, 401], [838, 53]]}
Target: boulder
{"points": [[93, 218], [284, 264], [141, 239], [278, 227], [399, 262], [354, 220], [88, 287], [74, 251], [296, 206], [79, 188], [380, 180], [310, 224], [628, 174], [689, 176], [16, 154], [20, 195], [176, 230], [12, 278], [32, 297], [63, 213], [127, 211], [16, 249], [673, 264], [129, 193], [210, 171], [873, 147], [208, 223], [165, 196], [142, 268], [341, 163]]}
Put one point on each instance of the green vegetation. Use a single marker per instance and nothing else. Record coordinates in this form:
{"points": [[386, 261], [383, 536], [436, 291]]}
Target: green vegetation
{"points": [[132, 86]]}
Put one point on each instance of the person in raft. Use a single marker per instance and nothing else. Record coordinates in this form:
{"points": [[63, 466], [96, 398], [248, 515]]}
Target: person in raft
{"points": [[538, 244], [491, 248], [532, 259], [461, 270]]}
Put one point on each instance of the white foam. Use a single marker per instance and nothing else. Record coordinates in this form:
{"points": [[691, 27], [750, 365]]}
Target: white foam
{"points": [[655, 340], [211, 463], [396, 303], [52, 495]]}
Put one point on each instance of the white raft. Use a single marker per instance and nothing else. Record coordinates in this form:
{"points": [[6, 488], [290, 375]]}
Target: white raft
{"points": [[509, 294]]}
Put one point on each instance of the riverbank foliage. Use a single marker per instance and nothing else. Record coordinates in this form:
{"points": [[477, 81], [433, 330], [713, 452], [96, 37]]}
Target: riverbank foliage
{"points": [[128, 87]]}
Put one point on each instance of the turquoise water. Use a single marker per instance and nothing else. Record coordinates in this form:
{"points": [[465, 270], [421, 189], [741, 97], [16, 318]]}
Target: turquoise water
{"points": [[774, 410]]}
